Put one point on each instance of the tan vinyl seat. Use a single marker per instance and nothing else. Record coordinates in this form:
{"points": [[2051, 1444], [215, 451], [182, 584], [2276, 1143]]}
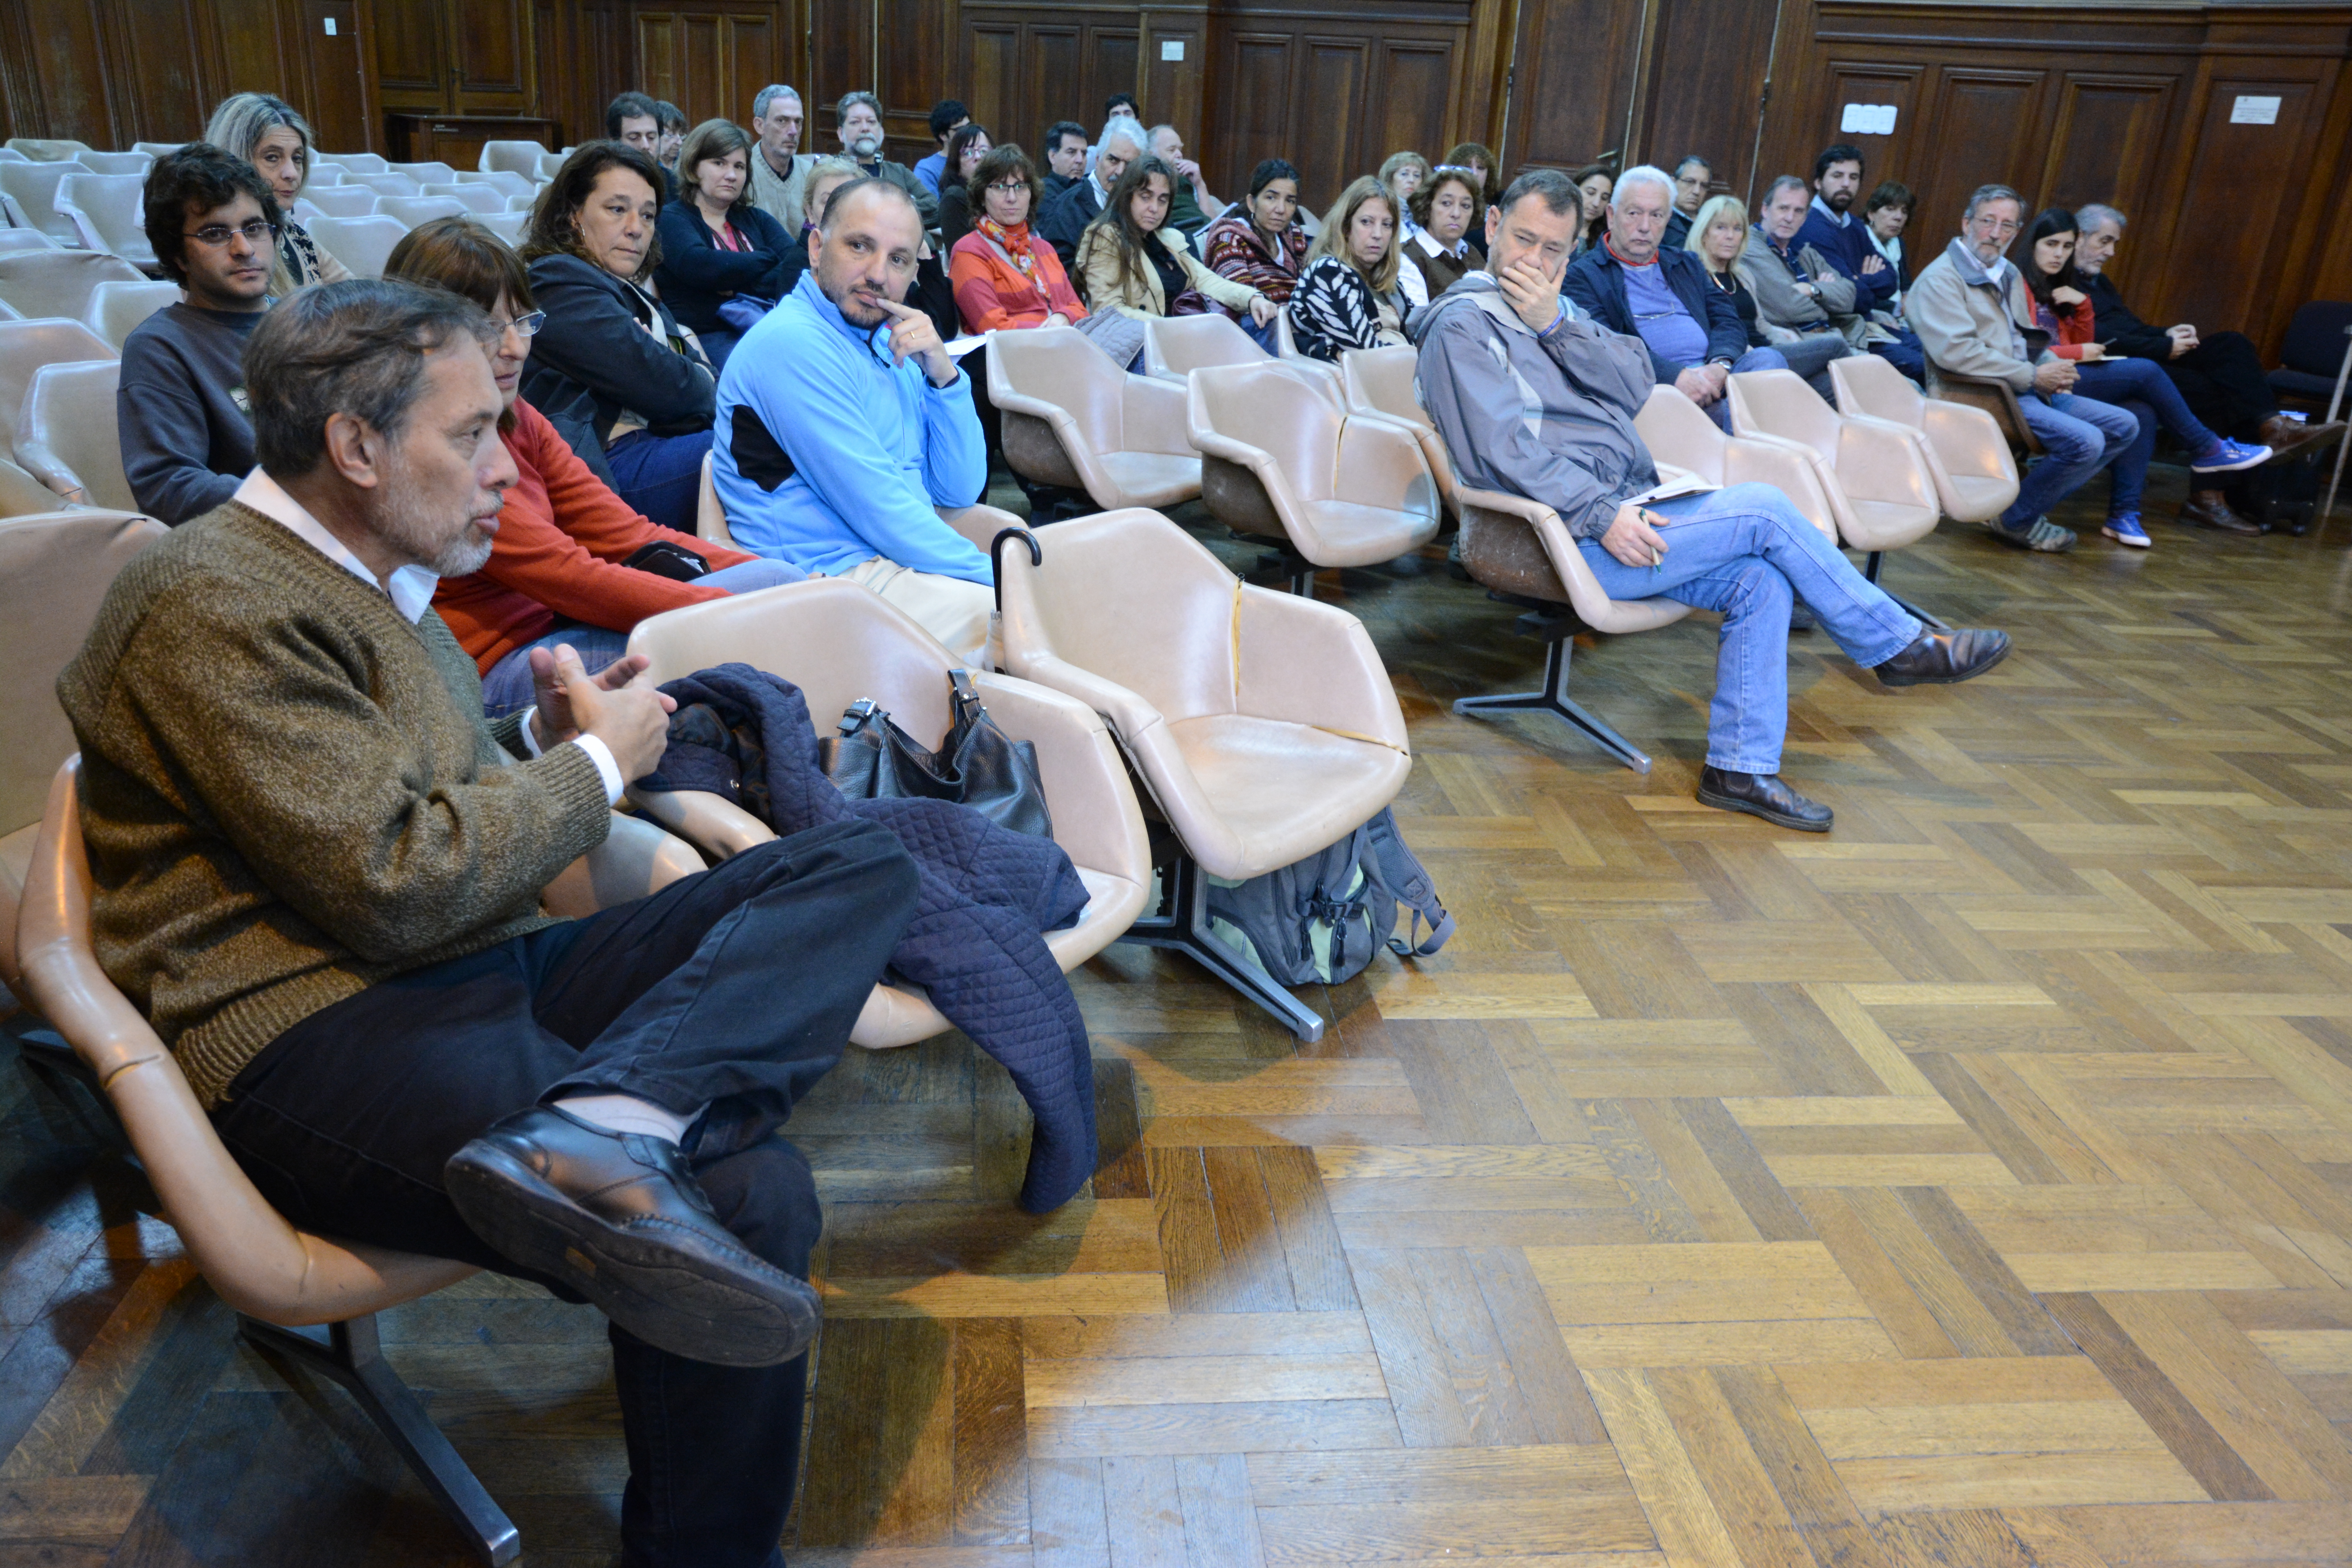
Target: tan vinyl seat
{"points": [[1520, 548], [1975, 475], [156, 149], [476, 199], [1280, 462], [13, 239], [415, 211], [512, 157], [522, 203], [1285, 349], [1381, 381], [115, 308], [839, 642], [335, 201], [24, 348], [361, 244], [22, 495], [68, 436], [58, 282], [48, 149], [1073, 418], [505, 182], [280, 1280], [979, 523], [508, 225], [357, 162], [1679, 435], [1880, 490], [28, 197], [131, 163], [1175, 346], [1263, 725], [323, 174], [1992, 397], [388, 184], [54, 569], [430, 171]]}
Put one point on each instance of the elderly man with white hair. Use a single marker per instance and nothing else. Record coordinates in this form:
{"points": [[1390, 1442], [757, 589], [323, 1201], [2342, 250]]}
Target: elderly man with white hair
{"points": [[1066, 215], [1665, 298]]}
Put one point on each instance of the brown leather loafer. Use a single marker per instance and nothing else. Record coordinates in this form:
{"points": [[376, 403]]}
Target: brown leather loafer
{"points": [[2211, 509], [1766, 795], [619, 1218], [1940, 658], [2285, 436]]}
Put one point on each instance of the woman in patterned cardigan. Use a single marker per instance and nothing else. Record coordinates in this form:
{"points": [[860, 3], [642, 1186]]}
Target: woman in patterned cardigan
{"points": [[1349, 298], [1260, 242]]}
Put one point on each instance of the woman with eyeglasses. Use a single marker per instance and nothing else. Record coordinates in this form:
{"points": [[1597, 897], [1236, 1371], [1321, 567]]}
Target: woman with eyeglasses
{"points": [[611, 355], [967, 144], [716, 245], [263, 129], [573, 561], [1005, 274]]}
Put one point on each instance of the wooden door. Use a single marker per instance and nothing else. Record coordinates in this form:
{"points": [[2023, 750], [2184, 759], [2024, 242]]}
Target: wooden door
{"points": [[413, 68], [341, 113], [491, 57]]}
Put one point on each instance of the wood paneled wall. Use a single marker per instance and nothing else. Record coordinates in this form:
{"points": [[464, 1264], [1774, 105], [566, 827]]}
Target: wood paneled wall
{"points": [[2232, 224]]}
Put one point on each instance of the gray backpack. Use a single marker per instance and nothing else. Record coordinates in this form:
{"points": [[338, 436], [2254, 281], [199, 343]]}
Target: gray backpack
{"points": [[1321, 919]]}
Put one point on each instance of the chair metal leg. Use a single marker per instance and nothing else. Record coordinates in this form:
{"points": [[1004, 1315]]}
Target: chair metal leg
{"points": [[349, 1353], [1297, 571], [1870, 575], [1559, 633], [1181, 925]]}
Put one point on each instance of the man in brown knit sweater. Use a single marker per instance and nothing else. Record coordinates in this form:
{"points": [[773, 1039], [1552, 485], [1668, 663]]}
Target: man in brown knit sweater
{"points": [[319, 873]]}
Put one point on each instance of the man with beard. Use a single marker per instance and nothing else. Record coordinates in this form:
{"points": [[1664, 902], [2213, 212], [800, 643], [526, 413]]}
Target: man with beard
{"points": [[843, 425], [858, 119], [1843, 241], [318, 873]]}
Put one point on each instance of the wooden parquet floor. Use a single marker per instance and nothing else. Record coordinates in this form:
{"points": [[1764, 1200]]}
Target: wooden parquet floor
{"points": [[1971, 1186]]}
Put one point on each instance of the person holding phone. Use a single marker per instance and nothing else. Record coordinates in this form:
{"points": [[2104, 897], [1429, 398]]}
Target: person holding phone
{"points": [[842, 426], [1538, 399]]}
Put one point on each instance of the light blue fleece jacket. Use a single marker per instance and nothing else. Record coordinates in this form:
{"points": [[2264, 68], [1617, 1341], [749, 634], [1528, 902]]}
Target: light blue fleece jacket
{"points": [[825, 454]]}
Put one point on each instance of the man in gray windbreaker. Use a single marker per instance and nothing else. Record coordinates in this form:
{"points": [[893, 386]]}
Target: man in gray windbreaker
{"points": [[1534, 400]]}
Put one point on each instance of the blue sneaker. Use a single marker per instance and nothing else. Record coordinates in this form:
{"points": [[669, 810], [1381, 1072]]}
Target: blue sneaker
{"points": [[2228, 456], [2124, 529]]}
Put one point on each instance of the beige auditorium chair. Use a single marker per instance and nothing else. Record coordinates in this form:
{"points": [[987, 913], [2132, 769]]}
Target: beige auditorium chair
{"points": [[509, 226], [335, 201], [474, 198], [357, 162], [549, 163], [1976, 477], [58, 282], [54, 569], [1520, 549], [66, 434], [839, 642], [309, 1298], [1277, 462], [1680, 436], [1175, 346], [1882, 495], [323, 174], [512, 157], [411, 212], [361, 244], [1285, 349], [1380, 380], [28, 198], [109, 212], [1073, 418], [983, 525], [22, 495], [430, 171], [131, 163], [24, 348], [385, 184], [156, 149], [116, 308], [48, 149], [1263, 725], [504, 181], [522, 203], [26, 239]]}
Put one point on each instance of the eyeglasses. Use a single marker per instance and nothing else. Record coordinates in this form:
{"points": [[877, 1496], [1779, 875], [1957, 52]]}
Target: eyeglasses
{"points": [[2001, 226], [523, 326], [1007, 187], [257, 233]]}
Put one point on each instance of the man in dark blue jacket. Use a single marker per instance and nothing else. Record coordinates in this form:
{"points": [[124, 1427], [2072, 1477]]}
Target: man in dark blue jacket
{"points": [[1628, 284], [1831, 228]]}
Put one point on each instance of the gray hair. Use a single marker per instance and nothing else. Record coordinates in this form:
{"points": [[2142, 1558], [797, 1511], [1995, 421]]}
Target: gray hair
{"points": [[355, 348], [1642, 174], [1787, 182], [769, 94], [1984, 194], [2091, 214], [1127, 128], [1690, 158], [243, 119], [850, 100]]}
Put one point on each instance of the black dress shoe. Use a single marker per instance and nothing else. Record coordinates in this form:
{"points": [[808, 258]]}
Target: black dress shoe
{"points": [[1938, 658], [1762, 794], [617, 1218]]}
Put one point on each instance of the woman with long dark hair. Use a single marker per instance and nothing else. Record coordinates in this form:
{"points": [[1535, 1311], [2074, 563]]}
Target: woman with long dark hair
{"points": [[1131, 259], [967, 144], [2062, 309], [1261, 242], [716, 245]]}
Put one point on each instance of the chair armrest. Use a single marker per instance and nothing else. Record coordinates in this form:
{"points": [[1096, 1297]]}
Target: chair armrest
{"points": [[1151, 417], [35, 458], [712, 824], [1787, 468], [1095, 818], [636, 858], [1880, 461], [1969, 440], [1992, 396], [1594, 607], [979, 523], [1314, 664], [1057, 418], [1380, 464]]}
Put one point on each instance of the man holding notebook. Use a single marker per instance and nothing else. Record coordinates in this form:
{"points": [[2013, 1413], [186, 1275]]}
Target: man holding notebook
{"points": [[1536, 400]]}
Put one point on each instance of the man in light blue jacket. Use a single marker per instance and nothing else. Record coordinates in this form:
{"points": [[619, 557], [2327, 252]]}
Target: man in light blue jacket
{"points": [[841, 423]]}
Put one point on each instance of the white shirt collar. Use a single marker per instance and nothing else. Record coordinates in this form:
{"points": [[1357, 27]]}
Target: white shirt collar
{"points": [[411, 586]]}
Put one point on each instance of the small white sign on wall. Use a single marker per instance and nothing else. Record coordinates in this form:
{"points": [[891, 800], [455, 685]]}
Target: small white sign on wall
{"points": [[1868, 119], [1171, 49], [331, 26], [2251, 110]]}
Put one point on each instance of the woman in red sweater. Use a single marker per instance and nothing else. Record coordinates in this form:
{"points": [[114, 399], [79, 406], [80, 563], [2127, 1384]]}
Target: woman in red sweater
{"points": [[557, 572]]}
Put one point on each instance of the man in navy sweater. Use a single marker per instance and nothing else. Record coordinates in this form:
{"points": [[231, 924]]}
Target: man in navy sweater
{"points": [[181, 411], [1831, 228], [1665, 298]]}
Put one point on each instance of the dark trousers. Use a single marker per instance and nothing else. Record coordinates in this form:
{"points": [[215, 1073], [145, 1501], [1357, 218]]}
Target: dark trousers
{"points": [[737, 989], [2223, 381], [661, 476]]}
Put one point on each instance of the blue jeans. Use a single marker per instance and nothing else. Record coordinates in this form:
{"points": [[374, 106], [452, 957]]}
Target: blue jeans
{"points": [[1745, 553], [2141, 386], [1754, 358], [735, 989], [507, 689], [2079, 436], [661, 476], [1906, 355]]}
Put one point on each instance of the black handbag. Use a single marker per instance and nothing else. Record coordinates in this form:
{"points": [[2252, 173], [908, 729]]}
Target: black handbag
{"points": [[674, 561], [977, 765]]}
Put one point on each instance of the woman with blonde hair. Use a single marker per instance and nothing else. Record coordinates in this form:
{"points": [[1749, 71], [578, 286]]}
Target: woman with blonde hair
{"points": [[1347, 298], [263, 129], [1403, 174], [1719, 235]]}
